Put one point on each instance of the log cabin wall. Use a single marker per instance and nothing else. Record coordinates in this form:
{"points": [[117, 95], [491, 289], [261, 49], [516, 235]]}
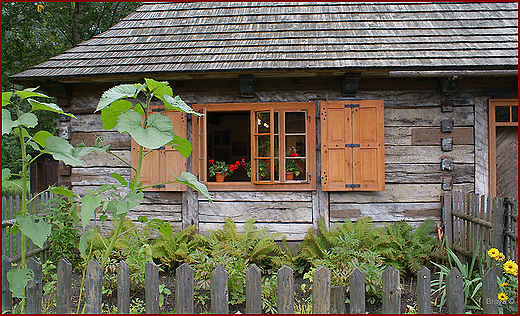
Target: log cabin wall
{"points": [[414, 109]]}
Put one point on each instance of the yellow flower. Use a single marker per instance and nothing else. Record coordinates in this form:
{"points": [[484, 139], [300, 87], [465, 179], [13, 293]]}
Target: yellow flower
{"points": [[493, 252], [39, 8], [511, 267], [500, 257], [504, 284], [502, 296]]}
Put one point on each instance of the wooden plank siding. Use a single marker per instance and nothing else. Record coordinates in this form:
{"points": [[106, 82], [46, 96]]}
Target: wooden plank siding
{"points": [[413, 175]]}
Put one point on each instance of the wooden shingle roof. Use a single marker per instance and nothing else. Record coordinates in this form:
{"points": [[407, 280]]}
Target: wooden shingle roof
{"points": [[251, 37]]}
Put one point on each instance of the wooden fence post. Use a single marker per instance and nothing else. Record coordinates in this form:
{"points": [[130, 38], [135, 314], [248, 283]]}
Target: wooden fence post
{"points": [[219, 291], [424, 304], [285, 290], [63, 287], [34, 288], [7, 298], [321, 291], [94, 282], [253, 290], [151, 277], [391, 291], [454, 292], [447, 219], [357, 292], [123, 288], [337, 299], [490, 292], [4, 231], [498, 224], [184, 289]]}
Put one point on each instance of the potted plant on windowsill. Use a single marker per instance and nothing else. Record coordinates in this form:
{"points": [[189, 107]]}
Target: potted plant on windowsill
{"points": [[264, 169], [292, 169], [220, 169]]}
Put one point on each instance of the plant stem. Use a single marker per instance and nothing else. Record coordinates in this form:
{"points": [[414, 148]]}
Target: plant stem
{"points": [[23, 209]]}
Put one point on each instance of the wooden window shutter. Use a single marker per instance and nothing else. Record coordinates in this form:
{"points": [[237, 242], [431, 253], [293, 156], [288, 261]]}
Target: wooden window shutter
{"points": [[156, 163], [352, 146], [199, 143]]}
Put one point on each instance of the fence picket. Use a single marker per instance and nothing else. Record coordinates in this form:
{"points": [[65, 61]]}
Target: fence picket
{"points": [[357, 292], [33, 290], [7, 298], [454, 292], [391, 291], [93, 281], [184, 289], [63, 287], [123, 288], [18, 234], [285, 290], [253, 290], [151, 276], [4, 231], [321, 291], [219, 291], [424, 304], [490, 292], [337, 299], [11, 238]]}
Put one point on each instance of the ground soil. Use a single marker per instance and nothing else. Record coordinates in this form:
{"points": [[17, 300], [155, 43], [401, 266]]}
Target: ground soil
{"points": [[408, 298]]}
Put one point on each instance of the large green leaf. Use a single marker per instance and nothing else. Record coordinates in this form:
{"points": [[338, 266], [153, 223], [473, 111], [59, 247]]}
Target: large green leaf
{"points": [[6, 98], [62, 191], [81, 151], [192, 181], [18, 279], [26, 119], [110, 115], [158, 132], [37, 231], [178, 104], [182, 145], [29, 92], [116, 93], [61, 150], [40, 137], [6, 174], [129, 202], [83, 243], [52, 107], [159, 88], [89, 204]]}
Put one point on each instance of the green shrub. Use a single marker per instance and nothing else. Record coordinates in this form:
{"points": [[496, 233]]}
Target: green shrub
{"points": [[172, 249], [14, 188]]}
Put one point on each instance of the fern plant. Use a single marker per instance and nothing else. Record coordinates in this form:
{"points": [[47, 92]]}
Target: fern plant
{"points": [[172, 249]]}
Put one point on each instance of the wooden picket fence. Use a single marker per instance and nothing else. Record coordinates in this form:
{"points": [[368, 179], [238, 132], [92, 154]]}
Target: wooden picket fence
{"points": [[472, 220], [11, 243], [326, 298]]}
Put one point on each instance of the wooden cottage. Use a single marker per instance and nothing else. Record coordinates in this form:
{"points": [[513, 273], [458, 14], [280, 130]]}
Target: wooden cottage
{"points": [[385, 107]]}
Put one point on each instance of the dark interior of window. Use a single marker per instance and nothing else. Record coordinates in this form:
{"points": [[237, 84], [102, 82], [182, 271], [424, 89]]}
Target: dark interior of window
{"points": [[229, 140]]}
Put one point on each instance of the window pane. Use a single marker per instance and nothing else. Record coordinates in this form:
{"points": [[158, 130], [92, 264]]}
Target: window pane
{"points": [[295, 145], [263, 146], [502, 114], [276, 122], [276, 169], [515, 114], [297, 166], [263, 119], [295, 122]]}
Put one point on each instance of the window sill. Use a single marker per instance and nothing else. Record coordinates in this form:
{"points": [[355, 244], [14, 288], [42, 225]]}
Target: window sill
{"points": [[247, 186]]}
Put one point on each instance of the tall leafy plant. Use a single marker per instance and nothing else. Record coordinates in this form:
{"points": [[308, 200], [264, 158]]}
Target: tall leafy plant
{"points": [[126, 108], [18, 119]]}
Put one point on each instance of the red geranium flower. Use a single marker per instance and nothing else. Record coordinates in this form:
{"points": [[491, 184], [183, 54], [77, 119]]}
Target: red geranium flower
{"points": [[294, 155], [211, 161]]}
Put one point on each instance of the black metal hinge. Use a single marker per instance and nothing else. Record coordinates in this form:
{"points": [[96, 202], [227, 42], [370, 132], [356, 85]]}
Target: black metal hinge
{"points": [[351, 105], [352, 185], [352, 145], [160, 186], [161, 148], [158, 110]]}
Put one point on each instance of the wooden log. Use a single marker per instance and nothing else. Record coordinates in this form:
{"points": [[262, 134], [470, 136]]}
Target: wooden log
{"points": [[123, 288], [219, 291], [430, 173], [433, 135], [116, 140], [253, 290], [447, 219], [285, 290], [289, 212], [33, 290], [337, 299], [7, 298], [64, 287], [428, 154], [321, 291], [391, 291], [490, 292], [93, 284], [427, 117], [424, 304], [400, 193], [101, 159], [386, 212], [151, 276], [454, 292], [184, 289], [357, 292]]}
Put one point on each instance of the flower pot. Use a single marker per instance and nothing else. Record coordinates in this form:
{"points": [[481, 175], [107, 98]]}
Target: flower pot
{"points": [[219, 176], [289, 175]]}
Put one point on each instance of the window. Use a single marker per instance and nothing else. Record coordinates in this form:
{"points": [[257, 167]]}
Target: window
{"points": [[277, 139]]}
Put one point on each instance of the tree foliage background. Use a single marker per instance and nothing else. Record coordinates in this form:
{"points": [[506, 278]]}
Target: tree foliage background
{"points": [[33, 32]]}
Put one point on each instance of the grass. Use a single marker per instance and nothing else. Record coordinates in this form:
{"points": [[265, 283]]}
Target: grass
{"points": [[12, 189]]}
